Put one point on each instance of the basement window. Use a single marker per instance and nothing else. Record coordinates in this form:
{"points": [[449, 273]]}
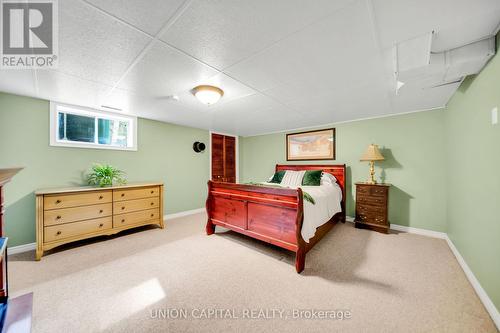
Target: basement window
{"points": [[75, 126]]}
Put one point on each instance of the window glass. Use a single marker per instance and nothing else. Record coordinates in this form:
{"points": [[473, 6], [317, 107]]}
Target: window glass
{"points": [[81, 127]]}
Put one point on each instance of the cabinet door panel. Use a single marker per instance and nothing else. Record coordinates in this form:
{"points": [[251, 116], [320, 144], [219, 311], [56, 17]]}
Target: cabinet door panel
{"points": [[229, 159], [217, 152]]}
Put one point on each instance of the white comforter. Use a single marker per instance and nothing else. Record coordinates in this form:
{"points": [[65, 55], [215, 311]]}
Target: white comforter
{"points": [[327, 199]]}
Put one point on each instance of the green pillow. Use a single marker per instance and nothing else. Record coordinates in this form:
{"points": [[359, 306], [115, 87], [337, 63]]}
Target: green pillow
{"points": [[312, 178], [278, 177]]}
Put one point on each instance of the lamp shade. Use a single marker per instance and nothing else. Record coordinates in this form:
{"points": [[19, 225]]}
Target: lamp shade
{"points": [[372, 153]]}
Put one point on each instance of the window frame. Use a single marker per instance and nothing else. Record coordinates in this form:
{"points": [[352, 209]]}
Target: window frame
{"points": [[56, 107]]}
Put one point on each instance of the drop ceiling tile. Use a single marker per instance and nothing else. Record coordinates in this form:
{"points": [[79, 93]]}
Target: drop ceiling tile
{"points": [[165, 71], [472, 29], [93, 46], [18, 81], [223, 32], [149, 16], [60, 87], [454, 21], [334, 51]]}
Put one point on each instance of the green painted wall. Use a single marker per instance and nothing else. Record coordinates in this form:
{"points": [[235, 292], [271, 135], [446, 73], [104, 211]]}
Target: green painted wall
{"points": [[165, 154], [473, 158], [413, 146]]}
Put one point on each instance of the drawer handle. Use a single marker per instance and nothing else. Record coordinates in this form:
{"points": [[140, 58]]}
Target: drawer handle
{"points": [[152, 203], [100, 211], [58, 201], [123, 220], [152, 215], [58, 233], [123, 194], [58, 217], [101, 197], [101, 225], [123, 207], [152, 192]]}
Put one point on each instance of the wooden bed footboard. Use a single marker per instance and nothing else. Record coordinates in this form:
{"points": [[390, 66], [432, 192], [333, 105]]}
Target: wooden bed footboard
{"points": [[273, 215]]}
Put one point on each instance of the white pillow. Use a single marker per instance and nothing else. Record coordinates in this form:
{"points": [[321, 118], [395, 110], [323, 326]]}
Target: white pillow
{"points": [[328, 179], [293, 179]]}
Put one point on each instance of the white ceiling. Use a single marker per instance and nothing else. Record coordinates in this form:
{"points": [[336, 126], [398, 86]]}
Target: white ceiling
{"points": [[283, 64]]}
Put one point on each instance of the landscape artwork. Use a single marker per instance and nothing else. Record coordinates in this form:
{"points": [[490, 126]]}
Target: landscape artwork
{"points": [[312, 145]]}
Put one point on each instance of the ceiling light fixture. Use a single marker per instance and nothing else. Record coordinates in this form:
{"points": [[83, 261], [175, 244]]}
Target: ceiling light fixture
{"points": [[208, 94]]}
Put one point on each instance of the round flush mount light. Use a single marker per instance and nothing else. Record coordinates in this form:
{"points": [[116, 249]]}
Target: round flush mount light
{"points": [[208, 94]]}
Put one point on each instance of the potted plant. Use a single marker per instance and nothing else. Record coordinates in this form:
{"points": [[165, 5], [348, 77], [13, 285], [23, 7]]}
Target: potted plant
{"points": [[105, 175]]}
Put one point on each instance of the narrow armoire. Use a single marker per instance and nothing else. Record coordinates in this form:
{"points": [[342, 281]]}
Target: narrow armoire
{"points": [[223, 152]]}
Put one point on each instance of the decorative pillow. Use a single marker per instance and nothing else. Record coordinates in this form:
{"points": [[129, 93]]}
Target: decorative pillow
{"points": [[278, 177], [328, 178], [292, 179], [312, 178]]}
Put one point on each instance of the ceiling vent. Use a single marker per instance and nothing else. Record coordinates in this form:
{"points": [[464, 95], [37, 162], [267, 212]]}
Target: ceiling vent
{"points": [[416, 65]]}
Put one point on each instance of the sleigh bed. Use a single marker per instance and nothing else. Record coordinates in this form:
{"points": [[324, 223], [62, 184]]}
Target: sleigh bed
{"points": [[273, 215]]}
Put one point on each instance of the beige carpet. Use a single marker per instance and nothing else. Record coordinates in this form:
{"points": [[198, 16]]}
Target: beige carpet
{"points": [[388, 283]]}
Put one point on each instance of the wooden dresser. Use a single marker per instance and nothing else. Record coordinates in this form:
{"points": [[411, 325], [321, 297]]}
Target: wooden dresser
{"points": [[372, 206], [66, 215]]}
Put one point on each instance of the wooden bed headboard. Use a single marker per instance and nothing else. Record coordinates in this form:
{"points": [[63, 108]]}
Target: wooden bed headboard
{"points": [[338, 170]]}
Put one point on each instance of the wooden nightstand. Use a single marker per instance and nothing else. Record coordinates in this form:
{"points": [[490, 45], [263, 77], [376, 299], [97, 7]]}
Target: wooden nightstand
{"points": [[372, 206]]}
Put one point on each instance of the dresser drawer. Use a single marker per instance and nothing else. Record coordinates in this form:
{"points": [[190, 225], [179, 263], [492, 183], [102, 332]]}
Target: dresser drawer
{"points": [[131, 194], [369, 209], [372, 191], [135, 205], [372, 200], [136, 217], [65, 215], [58, 232], [75, 200], [371, 218]]}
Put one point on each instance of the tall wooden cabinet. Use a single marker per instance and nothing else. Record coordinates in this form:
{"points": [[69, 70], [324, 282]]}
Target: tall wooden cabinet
{"points": [[223, 158]]}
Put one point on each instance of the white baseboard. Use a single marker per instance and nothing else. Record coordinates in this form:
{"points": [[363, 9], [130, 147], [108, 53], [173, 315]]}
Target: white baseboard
{"points": [[32, 246], [411, 230], [22, 248], [481, 293], [184, 213]]}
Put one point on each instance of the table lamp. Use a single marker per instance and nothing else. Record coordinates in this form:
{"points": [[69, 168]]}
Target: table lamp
{"points": [[371, 155]]}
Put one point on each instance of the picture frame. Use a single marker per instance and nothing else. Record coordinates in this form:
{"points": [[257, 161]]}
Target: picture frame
{"points": [[313, 145]]}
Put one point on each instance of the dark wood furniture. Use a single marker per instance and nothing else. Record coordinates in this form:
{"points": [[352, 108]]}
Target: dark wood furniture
{"points": [[372, 206], [5, 176], [273, 215], [15, 313], [223, 158]]}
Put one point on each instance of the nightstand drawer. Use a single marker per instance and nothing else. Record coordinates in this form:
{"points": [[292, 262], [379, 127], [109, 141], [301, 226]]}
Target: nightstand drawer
{"points": [[371, 218], [368, 209], [372, 191], [371, 200]]}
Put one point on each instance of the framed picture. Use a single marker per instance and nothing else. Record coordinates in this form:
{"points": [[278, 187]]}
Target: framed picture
{"points": [[312, 145]]}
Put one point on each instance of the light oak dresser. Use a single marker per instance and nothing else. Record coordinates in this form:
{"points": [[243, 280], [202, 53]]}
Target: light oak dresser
{"points": [[65, 215]]}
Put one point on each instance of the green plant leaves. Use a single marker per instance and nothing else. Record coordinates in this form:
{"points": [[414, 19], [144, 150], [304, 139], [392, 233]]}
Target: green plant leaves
{"points": [[105, 175]]}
